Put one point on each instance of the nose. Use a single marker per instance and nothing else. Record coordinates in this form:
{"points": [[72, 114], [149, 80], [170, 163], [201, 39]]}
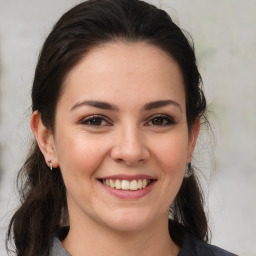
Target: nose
{"points": [[129, 147]]}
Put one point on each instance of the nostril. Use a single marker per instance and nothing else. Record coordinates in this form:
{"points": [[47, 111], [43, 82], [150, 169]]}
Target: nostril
{"points": [[121, 161]]}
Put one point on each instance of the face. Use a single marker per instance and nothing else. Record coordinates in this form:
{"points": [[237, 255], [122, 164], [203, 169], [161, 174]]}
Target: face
{"points": [[121, 137]]}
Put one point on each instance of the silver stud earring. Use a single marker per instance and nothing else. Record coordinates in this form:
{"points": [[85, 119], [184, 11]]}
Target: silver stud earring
{"points": [[50, 165], [188, 170]]}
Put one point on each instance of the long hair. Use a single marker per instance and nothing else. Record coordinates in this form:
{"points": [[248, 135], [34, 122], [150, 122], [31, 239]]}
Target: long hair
{"points": [[43, 208]]}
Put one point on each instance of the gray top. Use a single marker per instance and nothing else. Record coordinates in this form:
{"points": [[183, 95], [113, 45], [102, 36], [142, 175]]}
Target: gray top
{"points": [[190, 247], [57, 249]]}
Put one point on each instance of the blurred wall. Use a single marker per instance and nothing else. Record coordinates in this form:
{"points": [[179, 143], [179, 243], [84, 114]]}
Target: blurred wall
{"points": [[224, 34]]}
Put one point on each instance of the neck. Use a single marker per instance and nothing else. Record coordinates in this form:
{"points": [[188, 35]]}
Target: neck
{"points": [[94, 239]]}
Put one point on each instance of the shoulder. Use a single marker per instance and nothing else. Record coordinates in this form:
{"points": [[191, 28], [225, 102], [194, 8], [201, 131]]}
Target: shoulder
{"points": [[193, 247], [57, 249]]}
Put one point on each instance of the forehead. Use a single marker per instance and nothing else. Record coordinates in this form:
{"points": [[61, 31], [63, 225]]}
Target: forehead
{"points": [[125, 69]]}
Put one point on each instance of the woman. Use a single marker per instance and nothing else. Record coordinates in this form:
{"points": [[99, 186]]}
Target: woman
{"points": [[117, 107]]}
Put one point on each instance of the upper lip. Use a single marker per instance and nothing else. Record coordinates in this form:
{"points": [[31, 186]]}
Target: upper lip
{"points": [[127, 177]]}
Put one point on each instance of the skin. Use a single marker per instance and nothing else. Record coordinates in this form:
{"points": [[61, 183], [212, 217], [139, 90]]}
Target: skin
{"points": [[124, 140]]}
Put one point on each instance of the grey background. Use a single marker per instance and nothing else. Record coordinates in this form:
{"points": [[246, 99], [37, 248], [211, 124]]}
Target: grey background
{"points": [[224, 33]]}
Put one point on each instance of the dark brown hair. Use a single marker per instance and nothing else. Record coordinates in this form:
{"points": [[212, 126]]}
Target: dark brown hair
{"points": [[43, 207]]}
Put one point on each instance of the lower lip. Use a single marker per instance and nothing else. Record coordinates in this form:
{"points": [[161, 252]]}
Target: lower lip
{"points": [[129, 194]]}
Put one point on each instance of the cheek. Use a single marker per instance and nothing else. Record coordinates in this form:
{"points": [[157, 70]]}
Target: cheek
{"points": [[79, 156], [172, 152]]}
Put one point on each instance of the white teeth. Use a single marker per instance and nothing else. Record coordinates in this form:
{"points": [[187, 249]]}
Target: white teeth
{"points": [[125, 184], [133, 185], [118, 184], [144, 183], [139, 184], [112, 183]]}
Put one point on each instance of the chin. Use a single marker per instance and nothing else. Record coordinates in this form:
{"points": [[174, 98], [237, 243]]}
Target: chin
{"points": [[127, 226], [128, 221]]}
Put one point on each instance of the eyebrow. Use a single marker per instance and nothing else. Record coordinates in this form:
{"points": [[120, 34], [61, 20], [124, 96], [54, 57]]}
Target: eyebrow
{"points": [[108, 106], [95, 104], [160, 104]]}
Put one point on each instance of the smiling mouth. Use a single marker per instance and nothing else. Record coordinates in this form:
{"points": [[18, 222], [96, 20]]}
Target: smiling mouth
{"points": [[132, 185]]}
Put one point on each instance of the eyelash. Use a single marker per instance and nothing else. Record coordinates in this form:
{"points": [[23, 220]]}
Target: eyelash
{"points": [[166, 121], [85, 121]]}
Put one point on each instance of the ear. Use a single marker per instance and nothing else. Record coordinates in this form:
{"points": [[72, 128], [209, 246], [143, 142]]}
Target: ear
{"points": [[192, 138], [44, 139]]}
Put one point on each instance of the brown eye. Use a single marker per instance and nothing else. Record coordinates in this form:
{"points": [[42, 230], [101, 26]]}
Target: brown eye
{"points": [[158, 121], [161, 120], [95, 121]]}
